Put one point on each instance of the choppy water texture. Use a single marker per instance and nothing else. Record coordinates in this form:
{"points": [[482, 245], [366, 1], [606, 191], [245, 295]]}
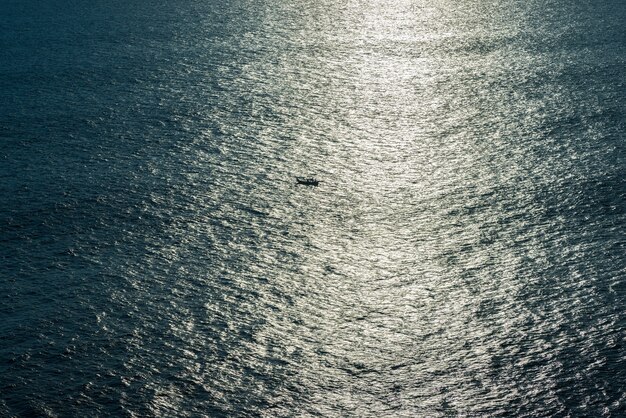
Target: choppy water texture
{"points": [[463, 256]]}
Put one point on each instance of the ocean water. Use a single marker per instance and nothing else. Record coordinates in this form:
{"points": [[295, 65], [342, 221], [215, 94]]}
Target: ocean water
{"points": [[464, 255]]}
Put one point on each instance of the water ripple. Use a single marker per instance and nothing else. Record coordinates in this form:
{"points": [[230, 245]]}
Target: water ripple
{"points": [[463, 255]]}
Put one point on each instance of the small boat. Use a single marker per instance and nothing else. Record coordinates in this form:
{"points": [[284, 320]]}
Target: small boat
{"points": [[308, 181]]}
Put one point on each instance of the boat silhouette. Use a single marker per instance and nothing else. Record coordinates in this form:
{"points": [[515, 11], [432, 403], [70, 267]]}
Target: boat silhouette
{"points": [[308, 181]]}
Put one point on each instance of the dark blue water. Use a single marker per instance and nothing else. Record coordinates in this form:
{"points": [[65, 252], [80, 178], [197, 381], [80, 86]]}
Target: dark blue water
{"points": [[464, 254]]}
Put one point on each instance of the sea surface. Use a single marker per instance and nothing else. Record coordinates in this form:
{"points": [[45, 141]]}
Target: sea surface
{"points": [[464, 254]]}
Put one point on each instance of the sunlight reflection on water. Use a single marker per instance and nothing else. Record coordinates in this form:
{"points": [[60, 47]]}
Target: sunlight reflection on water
{"points": [[463, 254]]}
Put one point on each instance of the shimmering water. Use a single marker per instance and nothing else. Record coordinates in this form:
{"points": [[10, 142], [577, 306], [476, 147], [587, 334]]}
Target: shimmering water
{"points": [[464, 254]]}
